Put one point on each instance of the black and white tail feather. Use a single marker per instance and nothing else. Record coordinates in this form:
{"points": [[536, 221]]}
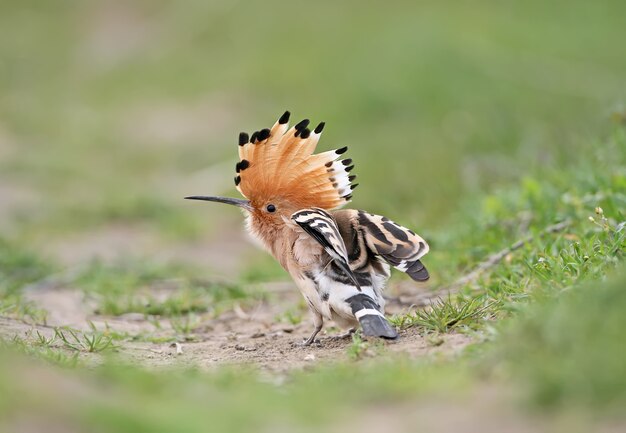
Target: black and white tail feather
{"points": [[371, 319]]}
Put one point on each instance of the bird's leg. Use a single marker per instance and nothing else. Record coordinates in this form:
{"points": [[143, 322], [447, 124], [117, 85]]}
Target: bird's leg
{"points": [[311, 339], [319, 322], [346, 334]]}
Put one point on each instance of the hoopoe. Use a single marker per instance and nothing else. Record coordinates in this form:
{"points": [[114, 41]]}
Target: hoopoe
{"points": [[339, 259]]}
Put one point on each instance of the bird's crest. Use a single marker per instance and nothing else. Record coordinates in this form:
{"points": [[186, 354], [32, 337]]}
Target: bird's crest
{"points": [[279, 162]]}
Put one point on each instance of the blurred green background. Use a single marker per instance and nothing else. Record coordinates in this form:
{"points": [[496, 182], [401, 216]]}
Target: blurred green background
{"points": [[463, 118], [112, 111]]}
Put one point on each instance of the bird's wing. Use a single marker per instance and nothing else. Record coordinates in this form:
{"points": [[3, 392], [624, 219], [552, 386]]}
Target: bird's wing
{"points": [[321, 226], [399, 246]]}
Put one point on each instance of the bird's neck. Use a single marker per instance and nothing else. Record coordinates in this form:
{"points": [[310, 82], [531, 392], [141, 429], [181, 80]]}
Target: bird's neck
{"points": [[276, 239]]}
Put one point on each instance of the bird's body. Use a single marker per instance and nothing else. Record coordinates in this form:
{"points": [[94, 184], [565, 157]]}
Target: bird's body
{"points": [[339, 259]]}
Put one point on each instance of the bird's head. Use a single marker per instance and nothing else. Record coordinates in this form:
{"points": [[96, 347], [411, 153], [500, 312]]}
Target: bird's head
{"points": [[272, 210], [278, 174]]}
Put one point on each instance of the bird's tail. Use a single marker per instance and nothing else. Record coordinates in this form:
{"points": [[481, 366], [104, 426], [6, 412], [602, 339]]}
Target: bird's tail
{"points": [[371, 319]]}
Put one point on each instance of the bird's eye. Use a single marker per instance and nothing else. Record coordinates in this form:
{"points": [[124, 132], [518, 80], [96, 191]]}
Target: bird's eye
{"points": [[271, 208]]}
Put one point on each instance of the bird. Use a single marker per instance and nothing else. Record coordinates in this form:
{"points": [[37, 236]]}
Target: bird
{"points": [[339, 259]]}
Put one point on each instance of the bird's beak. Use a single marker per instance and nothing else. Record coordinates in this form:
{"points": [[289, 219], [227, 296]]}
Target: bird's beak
{"points": [[244, 204]]}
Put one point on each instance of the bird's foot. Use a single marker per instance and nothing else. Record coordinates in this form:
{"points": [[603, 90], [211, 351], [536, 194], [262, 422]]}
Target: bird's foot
{"points": [[307, 343], [311, 340]]}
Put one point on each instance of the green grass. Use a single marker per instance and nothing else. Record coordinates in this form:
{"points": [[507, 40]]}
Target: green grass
{"points": [[16, 306], [154, 289], [293, 315], [93, 341], [361, 349], [229, 400], [445, 315], [20, 267], [185, 325], [263, 268], [568, 351], [40, 349], [591, 195]]}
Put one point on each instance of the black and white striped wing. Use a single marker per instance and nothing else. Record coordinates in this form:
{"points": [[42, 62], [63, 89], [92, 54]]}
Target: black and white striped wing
{"points": [[321, 226], [399, 246]]}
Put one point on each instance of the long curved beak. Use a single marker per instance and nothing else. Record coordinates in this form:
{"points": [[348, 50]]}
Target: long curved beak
{"points": [[244, 204]]}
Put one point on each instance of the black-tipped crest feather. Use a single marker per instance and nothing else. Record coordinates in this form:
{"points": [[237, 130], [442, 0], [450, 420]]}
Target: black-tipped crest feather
{"points": [[283, 162], [284, 118]]}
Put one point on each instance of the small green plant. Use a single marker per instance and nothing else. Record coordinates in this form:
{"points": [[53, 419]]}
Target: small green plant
{"points": [[14, 305], [43, 349], [563, 263], [292, 316], [186, 324], [445, 315], [43, 341], [361, 348], [92, 342], [357, 349]]}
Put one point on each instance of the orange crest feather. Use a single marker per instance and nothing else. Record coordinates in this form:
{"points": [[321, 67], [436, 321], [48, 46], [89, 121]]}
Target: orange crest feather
{"points": [[279, 163]]}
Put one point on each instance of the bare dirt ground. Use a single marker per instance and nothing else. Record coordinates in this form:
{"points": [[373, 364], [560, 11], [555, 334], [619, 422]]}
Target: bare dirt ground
{"points": [[245, 336], [255, 338]]}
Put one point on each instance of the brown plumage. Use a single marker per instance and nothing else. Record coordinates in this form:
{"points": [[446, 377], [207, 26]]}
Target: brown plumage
{"points": [[339, 259]]}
